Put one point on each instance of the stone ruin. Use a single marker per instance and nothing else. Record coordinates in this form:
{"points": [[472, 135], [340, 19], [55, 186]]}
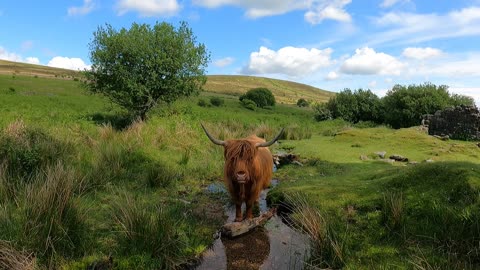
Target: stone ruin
{"points": [[459, 123]]}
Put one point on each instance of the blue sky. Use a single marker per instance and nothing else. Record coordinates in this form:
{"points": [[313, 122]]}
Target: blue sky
{"points": [[330, 44]]}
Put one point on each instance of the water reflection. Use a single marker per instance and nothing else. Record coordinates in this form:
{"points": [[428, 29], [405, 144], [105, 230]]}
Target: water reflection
{"points": [[275, 246]]}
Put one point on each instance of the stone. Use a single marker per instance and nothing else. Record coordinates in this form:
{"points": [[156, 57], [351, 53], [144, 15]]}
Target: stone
{"points": [[457, 123]]}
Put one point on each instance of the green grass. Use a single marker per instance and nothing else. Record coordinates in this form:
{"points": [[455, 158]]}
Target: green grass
{"points": [[87, 164], [410, 216]]}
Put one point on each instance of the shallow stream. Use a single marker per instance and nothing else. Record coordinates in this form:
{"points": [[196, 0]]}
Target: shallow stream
{"points": [[274, 246]]}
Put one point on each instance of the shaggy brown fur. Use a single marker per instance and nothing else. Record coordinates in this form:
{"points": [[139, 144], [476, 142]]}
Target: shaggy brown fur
{"points": [[256, 162]]}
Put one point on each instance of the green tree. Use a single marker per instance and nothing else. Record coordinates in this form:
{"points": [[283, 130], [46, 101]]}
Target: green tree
{"points": [[457, 99], [406, 104], [359, 105], [140, 67], [261, 96]]}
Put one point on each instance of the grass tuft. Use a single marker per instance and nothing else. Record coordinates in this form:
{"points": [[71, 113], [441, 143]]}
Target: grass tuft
{"points": [[150, 230], [11, 258], [55, 223], [328, 248]]}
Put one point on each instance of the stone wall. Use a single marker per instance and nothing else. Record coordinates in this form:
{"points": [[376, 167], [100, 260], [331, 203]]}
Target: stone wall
{"points": [[460, 123]]}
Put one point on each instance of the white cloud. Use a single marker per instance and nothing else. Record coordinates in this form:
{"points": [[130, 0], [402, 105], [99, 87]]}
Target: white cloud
{"points": [[33, 60], [367, 62], [421, 53], [87, 7], [333, 10], [332, 75], [5, 55], [473, 92], [259, 8], [316, 10], [224, 62], [415, 28], [68, 63], [389, 3], [454, 67], [149, 8], [372, 84], [290, 61]]}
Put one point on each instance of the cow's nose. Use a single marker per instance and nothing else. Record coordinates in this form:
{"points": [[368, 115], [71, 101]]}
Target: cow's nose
{"points": [[241, 175]]}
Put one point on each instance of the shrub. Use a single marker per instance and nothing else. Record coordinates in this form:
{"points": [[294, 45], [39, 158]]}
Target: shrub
{"points": [[216, 101], [302, 103], [249, 104], [321, 112], [260, 96], [202, 103], [26, 150]]}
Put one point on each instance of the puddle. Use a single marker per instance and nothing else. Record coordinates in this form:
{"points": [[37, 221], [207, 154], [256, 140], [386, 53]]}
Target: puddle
{"points": [[274, 246]]}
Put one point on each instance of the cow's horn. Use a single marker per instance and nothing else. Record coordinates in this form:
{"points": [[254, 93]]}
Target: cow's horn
{"points": [[215, 141], [265, 144]]}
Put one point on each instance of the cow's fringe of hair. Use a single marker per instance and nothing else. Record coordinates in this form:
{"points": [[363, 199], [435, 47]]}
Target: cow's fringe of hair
{"points": [[239, 150]]}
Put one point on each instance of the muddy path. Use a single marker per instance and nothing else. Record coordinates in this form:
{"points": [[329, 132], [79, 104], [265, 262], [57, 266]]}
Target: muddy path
{"points": [[274, 246]]}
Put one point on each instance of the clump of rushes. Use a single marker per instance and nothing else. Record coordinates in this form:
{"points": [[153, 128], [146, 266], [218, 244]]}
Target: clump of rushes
{"points": [[393, 211], [152, 230], [328, 248], [54, 221]]}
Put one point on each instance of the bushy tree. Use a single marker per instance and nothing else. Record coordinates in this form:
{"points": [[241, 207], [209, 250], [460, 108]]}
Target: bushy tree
{"points": [[302, 102], [405, 105], [139, 67], [359, 105], [321, 112], [456, 100], [261, 96]]}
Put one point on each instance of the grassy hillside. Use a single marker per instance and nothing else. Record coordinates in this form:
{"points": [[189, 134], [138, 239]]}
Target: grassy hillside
{"points": [[284, 91], [16, 68], [76, 184]]}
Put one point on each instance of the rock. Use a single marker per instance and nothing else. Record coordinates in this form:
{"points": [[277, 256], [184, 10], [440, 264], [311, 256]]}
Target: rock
{"points": [[458, 123], [363, 157], [429, 160], [398, 158], [381, 154]]}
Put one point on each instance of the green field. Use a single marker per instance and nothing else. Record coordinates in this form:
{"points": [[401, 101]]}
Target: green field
{"points": [[78, 185]]}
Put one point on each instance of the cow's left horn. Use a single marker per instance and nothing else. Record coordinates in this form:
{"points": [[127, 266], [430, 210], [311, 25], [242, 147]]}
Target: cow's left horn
{"points": [[265, 144], [215, 141]]}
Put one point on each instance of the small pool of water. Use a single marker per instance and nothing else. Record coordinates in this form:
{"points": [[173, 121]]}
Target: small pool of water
{"points": [[274, 246]]}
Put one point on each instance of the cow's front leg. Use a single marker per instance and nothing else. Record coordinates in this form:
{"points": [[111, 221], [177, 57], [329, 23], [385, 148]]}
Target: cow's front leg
{"points": [[238, 212], [249, 207]]}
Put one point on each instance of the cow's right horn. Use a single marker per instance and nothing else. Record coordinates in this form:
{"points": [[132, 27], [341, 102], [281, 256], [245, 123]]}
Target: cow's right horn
{"points": [[215, 141], [265, 144]]}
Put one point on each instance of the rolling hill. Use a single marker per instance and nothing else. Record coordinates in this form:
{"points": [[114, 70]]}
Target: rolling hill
{"points": [[286, 92]]}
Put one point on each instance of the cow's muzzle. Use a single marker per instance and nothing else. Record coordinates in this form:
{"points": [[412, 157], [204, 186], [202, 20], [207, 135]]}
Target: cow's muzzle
{"points": [[241, 177]]}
